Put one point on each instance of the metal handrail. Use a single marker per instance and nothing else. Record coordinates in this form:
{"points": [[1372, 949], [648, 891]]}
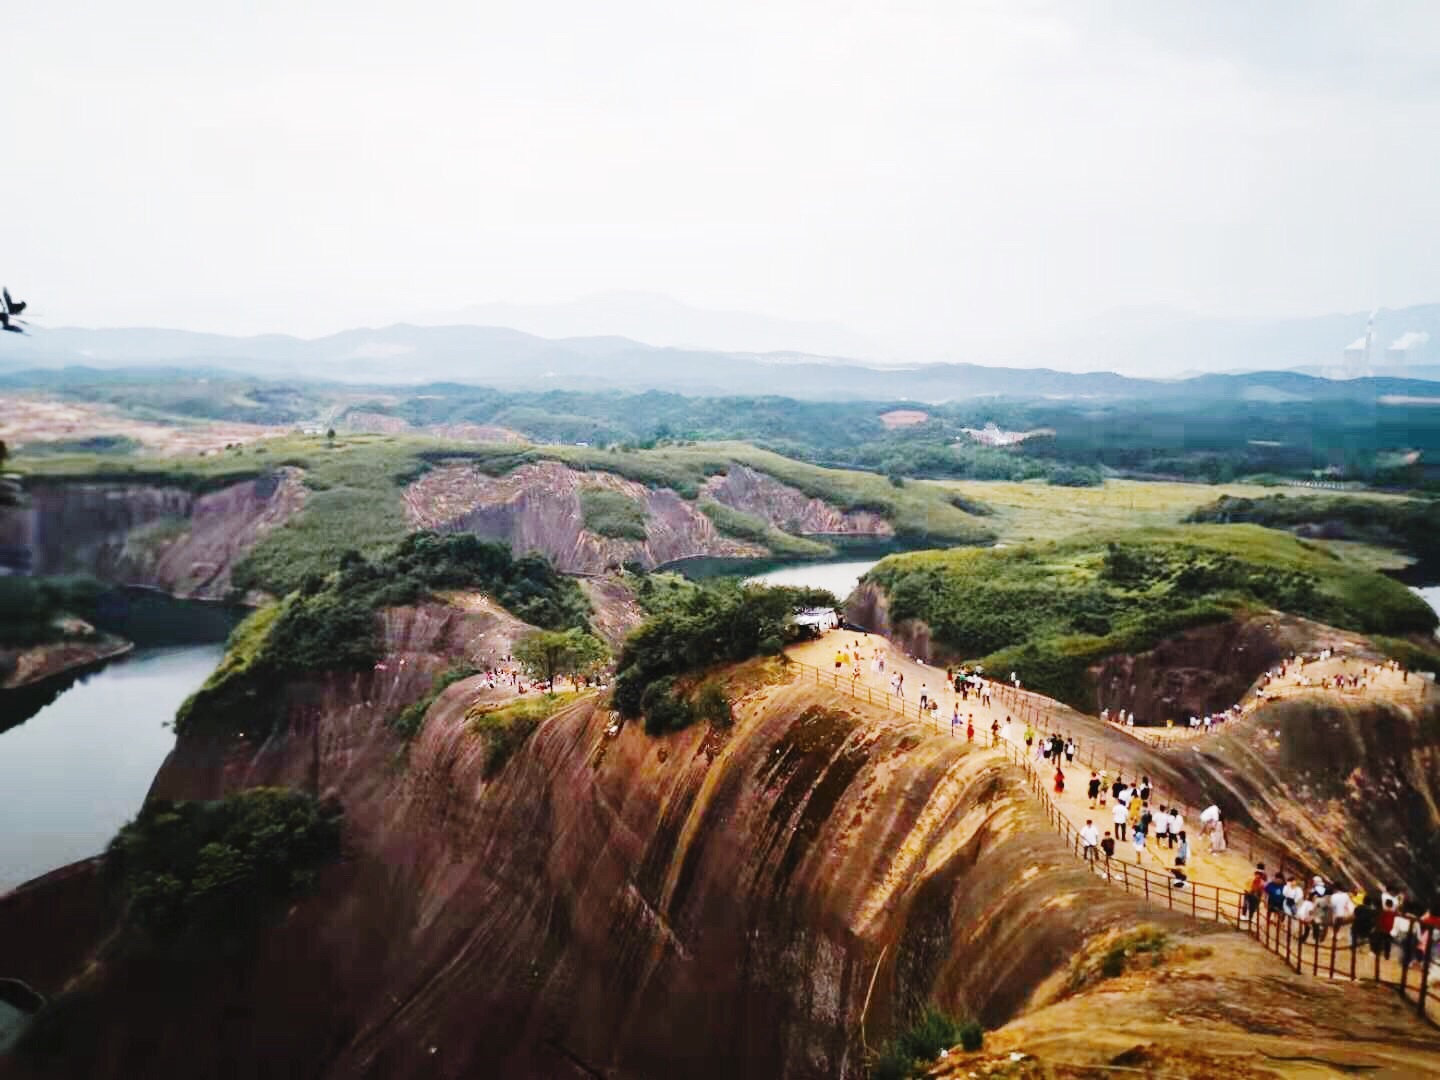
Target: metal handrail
{"points": [[1279, 934]]}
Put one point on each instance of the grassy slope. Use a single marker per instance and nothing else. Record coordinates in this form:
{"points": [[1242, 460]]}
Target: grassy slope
{"points": [[1049, 609]]}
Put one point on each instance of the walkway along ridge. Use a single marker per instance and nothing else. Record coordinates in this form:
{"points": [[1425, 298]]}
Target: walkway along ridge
{"points": [[1198, 900]]}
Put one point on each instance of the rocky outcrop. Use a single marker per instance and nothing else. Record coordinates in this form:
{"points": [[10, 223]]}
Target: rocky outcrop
{"points": [[868, 606], [134, 534], [790, 509], [1210, 668], [708, 904], [537, 508], [762, 901], [616, 611], [37, 663], [1357, 783]]}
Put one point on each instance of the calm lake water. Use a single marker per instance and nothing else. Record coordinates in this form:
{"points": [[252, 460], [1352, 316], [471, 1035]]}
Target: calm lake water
{"points": [[78, 769], [839, 577]]}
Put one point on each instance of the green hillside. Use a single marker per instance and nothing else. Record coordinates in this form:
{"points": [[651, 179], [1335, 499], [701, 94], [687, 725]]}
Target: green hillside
{"points": [[1050, 610]]}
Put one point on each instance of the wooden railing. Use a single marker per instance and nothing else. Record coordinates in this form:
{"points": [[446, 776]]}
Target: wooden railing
{"points": [[1277, 933]]}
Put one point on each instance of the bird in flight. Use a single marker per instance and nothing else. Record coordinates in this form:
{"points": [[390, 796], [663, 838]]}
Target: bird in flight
{"points": [[8, 312]]}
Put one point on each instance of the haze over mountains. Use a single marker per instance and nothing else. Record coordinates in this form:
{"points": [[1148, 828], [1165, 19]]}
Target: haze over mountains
{"points": [[701, 353]]}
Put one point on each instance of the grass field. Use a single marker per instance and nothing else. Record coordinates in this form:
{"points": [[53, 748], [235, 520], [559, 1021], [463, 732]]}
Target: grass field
{"points": [[1034, 510]]}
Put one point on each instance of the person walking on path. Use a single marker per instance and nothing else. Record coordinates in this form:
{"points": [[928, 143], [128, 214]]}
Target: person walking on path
{"points": [[1029, 736], [1059, 781], [1324, 917], [1134, 811], [955, 718], [1107, 845], [970, 729], [1137, 837], [1070, 752], [1275, 895], [1089, 838], [1380, 940], [1117, 787], [1119, 817], [1177, 824], [1305, 916], [1162, 826], [1183, 855], [1254, 892], [1362, 927], [1293, 895], [1094, 790]]}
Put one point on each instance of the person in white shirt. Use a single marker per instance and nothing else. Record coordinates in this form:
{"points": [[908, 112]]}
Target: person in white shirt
{"points": [[1089, 839], [1293, 895], [1177, 824], [1121, 818], [1305, 915]]}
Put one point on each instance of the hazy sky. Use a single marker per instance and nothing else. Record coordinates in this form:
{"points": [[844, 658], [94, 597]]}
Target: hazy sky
{"points": [[941, 175]]}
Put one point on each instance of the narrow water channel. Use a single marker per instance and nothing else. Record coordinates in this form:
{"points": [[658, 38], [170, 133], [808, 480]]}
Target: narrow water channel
{"points": [[78, 769], [839, 577]]}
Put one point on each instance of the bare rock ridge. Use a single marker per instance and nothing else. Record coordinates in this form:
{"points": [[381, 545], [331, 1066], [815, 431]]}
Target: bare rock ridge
{"points": [[537, 508], [141, 534], [712, 903], [1358, 782], [790, 509], [1210, 668], [722, 900], [1349, 786]]}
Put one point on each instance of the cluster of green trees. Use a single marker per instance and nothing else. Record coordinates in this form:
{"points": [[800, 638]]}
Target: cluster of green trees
{"points": [[548, 653], [1412, 525], [215, 868], [329, 623], [30, 607], [697, 627], [1050, 611]]}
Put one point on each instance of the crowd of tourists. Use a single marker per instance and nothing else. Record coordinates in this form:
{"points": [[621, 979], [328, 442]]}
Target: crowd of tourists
{"points": [[1294, 669], [1388, 921], [1133, 818], [1384, 920]]}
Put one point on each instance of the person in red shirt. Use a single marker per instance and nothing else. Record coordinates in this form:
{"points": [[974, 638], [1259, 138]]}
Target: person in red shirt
{"points": [[1381, 943], [1059, 782]]}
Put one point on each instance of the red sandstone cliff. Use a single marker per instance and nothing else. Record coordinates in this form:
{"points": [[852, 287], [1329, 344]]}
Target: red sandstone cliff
{"points": [[136, 534]]}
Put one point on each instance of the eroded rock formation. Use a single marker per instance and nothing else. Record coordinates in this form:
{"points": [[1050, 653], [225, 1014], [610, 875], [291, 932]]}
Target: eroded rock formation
{"points": [[537, 508], [1210, 668], [1357, 783], [135, 534], [790, 509], [760, 901]]}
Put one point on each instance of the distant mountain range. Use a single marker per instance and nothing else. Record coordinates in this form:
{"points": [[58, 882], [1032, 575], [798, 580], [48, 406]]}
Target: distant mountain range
{"points": [[1406, 343], [510, 359]]}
